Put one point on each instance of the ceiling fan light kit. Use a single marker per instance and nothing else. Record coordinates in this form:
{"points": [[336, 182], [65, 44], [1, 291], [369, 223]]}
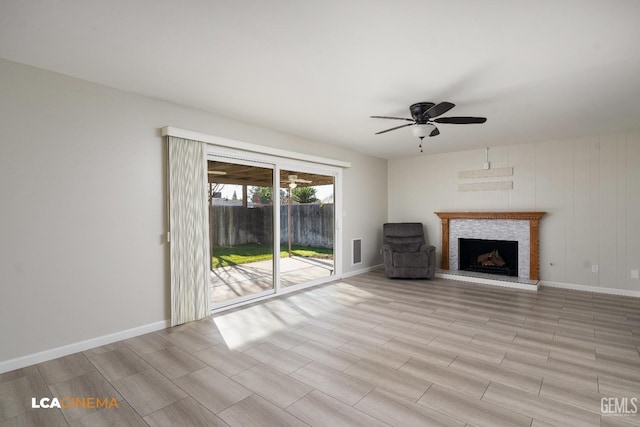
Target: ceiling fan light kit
{"points": [[294, 180], [424, 116], [422, 130]]}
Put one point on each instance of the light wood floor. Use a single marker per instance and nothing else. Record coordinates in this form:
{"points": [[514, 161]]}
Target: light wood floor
{"points": [[362, 351]]}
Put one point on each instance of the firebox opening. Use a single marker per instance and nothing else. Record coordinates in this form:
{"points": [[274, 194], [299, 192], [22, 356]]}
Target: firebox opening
{"points": [[488, 256]]}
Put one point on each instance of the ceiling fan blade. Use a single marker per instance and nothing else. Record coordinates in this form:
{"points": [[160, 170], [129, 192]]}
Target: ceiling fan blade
{"points": [[434, 132], [461, 120], [397, 127], [438, 109], [393, 118]]}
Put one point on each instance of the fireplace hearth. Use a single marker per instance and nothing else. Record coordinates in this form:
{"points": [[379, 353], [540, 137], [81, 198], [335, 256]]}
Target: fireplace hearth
{"points": [[488, 256]]}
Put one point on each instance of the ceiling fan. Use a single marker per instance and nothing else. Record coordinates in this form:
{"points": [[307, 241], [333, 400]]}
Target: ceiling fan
{"points": [[293, 181], [424, 116]]}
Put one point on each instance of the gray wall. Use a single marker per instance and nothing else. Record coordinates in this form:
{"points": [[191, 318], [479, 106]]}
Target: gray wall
{"points": [[82, 184]]}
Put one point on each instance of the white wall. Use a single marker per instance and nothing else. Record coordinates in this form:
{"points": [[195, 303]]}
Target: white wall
{"points": [[589, 187], [82, 211]]}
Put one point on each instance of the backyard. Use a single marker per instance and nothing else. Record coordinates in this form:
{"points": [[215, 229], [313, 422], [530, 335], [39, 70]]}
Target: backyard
{"points": [[225, 256]]}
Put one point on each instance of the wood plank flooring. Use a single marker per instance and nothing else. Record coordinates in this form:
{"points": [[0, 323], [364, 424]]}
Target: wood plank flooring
{"points": [[364, 351]]}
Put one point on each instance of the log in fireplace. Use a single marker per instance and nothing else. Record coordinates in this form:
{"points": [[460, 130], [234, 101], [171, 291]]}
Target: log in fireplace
{"points": [[488, 256]]}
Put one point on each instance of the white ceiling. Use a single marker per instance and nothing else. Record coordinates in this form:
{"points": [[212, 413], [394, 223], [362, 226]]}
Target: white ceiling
{"points": [[538, 70]]}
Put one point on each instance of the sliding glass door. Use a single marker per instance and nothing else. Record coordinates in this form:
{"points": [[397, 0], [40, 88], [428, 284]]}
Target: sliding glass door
{"points": [[254, 216], [307, 227], [241, 219]]}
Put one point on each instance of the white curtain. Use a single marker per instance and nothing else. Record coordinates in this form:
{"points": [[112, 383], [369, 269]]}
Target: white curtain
{"points": [[189, 228]]}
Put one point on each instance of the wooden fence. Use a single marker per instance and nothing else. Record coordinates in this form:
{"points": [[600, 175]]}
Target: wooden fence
{"points": [[311, 225]]}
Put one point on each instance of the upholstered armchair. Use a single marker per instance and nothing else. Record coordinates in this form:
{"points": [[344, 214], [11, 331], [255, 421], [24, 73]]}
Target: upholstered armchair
{"points": [[405, 252]]}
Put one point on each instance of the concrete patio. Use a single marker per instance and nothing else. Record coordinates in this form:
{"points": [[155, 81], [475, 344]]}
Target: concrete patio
{"points": [[246, 279]]}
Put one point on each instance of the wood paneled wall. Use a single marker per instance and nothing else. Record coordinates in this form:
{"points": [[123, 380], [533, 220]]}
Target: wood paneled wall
{"points": [[589, 187]]}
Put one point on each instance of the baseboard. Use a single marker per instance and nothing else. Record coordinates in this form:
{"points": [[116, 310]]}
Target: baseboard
{"points": [[483, 281], [361, 271], [596, 289], [54, 353]]}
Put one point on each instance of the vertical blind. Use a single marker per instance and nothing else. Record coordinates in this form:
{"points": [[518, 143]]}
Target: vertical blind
{"points": [[189, 230]]}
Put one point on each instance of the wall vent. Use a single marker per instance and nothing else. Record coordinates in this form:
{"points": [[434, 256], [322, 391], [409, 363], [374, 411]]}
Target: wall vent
{"points": [[356, 251]]}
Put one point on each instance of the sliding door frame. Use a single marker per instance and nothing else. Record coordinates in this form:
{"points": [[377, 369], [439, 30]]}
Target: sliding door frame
{"points": [[336, 173], [226, 154], [275, 212]]}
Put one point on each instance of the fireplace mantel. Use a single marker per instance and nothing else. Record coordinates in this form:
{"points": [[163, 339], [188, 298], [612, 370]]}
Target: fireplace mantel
{"points": [[532, 217]]}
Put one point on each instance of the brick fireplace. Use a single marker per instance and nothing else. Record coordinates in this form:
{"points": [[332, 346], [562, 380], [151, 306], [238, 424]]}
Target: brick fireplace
{"points": [[521, 227]]}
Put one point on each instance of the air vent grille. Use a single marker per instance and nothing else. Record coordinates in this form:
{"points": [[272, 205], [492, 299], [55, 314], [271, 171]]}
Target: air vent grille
{"points": [[356, 251]]}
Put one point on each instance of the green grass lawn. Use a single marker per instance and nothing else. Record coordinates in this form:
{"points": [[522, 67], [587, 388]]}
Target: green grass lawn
{"points": [[242, 254]]}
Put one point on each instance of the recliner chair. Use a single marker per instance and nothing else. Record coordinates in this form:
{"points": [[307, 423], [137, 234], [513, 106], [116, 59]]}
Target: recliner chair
{"points": [[405, 252]]}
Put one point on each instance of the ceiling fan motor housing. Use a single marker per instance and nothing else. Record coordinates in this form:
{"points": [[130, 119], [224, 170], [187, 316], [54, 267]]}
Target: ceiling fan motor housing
{"points": [[418, 109]]}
